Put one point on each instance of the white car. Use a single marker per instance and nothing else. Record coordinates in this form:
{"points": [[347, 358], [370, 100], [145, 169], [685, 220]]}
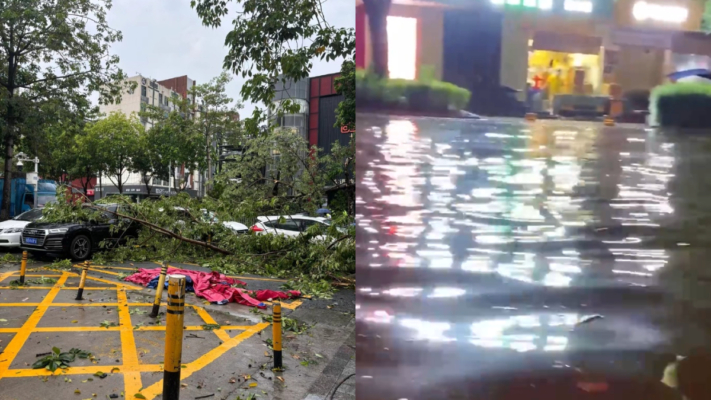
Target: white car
{"points": [[236, 227], [293, 225], [11, 230]]}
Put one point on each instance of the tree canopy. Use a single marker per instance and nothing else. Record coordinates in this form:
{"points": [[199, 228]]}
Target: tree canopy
{"points": [[51, 50]]}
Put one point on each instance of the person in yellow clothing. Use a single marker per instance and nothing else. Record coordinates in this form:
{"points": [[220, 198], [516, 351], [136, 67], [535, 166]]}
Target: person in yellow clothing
{"points": [[554, 84]]}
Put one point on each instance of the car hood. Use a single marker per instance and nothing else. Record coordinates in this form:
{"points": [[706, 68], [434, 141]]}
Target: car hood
{"points": [[51, 225], [11, 223]]}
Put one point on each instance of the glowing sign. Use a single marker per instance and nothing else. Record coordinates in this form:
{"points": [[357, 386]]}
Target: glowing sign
{"points": [[643, 11], [578, 6], [344, 129]]}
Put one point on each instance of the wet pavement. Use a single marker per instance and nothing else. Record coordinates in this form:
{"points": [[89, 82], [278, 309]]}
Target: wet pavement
{"points": [[495, 255], [226, 361]]}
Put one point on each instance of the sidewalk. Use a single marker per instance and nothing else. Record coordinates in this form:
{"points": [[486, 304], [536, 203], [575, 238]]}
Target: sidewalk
{"points": [[232, 361]]}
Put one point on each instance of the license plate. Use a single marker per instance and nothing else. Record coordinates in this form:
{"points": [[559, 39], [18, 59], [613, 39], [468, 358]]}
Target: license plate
{"points": [[31, 240]]}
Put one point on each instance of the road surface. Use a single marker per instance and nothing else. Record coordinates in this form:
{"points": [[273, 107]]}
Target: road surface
{"points": [[490, 249]]}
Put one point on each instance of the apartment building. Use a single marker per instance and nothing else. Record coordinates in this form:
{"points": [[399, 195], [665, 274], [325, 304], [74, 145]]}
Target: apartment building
{"points": [[150, 91]]}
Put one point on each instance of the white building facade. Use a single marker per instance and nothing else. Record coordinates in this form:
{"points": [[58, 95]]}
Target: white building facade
{"points": [[149, 92]]}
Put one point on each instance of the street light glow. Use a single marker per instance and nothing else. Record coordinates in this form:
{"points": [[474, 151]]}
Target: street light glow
{"points": [[578, 6], [643, 11]]}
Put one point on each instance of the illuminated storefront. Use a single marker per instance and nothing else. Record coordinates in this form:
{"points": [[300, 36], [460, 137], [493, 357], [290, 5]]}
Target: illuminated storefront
{"points": [[591, 46]]}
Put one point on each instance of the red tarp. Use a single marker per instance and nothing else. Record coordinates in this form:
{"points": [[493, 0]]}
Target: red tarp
{"points": [[215, 287]]}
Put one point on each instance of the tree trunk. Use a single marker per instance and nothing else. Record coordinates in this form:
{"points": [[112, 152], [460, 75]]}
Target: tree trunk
{"points": [[7, 174], [146, 181], [208, 176], [377, 12]]}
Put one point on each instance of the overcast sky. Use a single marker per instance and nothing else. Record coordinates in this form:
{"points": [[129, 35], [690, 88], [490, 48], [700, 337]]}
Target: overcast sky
{"points": [[165, 38]]}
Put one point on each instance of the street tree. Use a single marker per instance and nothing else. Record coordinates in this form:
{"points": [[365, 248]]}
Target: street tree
{"points": [[217, 119], [275, 40], [116, 141], [177, 141], [51, 49], [50, 131], [147, 160]]}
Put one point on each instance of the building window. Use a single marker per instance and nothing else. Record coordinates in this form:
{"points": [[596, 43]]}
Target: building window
{"points": [[143, 91], [402, 47], [160, 98]]}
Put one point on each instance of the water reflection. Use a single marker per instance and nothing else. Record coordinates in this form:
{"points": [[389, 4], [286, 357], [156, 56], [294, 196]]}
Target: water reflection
{"points": [[535, 204]]}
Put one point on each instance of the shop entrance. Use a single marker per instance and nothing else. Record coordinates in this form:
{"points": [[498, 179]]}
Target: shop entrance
{"points": [[568, 67]]}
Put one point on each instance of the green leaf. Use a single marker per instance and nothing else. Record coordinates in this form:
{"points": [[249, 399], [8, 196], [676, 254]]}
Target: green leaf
{"points": [[139, 396], [56, 350]]}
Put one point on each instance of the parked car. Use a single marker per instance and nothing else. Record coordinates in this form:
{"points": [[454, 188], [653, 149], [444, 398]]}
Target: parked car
{"points": [[292, 225], [78, 240], [235, 226], [11, 230]]}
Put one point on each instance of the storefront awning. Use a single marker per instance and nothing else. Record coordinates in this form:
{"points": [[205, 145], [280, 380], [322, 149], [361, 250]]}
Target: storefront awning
{"points": [[566, 43]]}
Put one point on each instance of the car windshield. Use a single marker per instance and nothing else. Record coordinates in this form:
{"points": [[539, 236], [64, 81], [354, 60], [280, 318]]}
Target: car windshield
{"points": [[45, 199], [31, 215]]}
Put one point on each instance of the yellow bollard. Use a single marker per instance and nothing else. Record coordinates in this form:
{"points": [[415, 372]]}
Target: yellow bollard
{"points": [[607, 121], [82, 281], [159, 291], [276, 334], [531, 116], [23, 267], [173, 337]]}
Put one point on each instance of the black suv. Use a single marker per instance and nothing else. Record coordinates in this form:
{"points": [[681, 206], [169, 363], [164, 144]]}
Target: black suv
{"points": [[78, 240]]}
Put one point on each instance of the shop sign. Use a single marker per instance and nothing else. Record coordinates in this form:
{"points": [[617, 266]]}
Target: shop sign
{"points": [[344, 129], [642, 38]]}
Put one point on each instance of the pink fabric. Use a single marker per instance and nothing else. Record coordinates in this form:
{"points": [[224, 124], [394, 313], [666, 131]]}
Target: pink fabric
{"points": [[216, 287]]}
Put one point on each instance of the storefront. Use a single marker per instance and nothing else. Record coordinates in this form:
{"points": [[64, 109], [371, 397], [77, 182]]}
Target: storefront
{"points": [[414, 30]]}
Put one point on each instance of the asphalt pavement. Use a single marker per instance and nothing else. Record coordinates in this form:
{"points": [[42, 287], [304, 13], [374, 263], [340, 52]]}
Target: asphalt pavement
{"points": [[229, 361], [496, 253]]}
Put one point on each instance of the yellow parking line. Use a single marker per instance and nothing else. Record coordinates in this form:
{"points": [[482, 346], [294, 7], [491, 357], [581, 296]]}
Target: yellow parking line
{"points": [[209, 320], [118, 328], [290, 306], [115, 283], [83, 370], [155, 389], [194, 328], [13, 348], [7, 274], [104, 272], [131, 378]]}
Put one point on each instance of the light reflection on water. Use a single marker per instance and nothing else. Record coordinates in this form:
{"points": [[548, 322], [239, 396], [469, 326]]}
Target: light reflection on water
{"points": [[544, 205]]}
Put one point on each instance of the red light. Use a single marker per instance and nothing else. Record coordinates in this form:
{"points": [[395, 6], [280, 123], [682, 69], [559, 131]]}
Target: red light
{"points": [[255, 228]]}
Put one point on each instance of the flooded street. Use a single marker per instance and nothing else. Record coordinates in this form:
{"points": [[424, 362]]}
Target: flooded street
{"points": [[490, 249]]}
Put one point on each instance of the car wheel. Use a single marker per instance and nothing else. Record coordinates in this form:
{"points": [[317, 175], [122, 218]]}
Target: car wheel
{"points": [[80, 248]]}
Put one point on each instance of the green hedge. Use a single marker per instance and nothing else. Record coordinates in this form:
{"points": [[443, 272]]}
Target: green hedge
{"points": [[681, 105], [400, 94]]}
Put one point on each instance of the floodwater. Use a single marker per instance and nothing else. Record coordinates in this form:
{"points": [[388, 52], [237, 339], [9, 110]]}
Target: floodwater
{"points": [[491, 249]]}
